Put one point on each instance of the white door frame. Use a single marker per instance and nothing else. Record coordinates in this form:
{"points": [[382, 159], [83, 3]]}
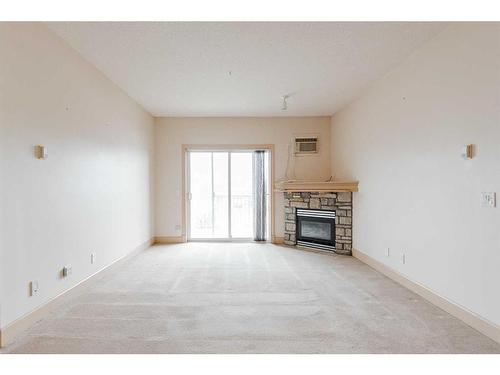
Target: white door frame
{"points": [[226, 148]]}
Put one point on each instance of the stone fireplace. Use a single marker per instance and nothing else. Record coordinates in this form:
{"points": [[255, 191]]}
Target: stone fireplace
{"points": [[338, 202]]}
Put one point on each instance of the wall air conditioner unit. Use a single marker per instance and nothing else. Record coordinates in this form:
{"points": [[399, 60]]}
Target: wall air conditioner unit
{"points": [[306, 145]]}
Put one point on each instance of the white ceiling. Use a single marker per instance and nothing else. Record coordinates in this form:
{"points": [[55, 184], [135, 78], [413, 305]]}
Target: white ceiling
{"points": [[243, 69]]}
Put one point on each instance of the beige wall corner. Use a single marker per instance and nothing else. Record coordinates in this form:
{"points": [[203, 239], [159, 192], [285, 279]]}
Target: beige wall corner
{"points": [[172, 133], [487, 328]]}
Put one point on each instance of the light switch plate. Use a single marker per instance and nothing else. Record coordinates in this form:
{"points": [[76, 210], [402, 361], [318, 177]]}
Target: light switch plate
{"points": [[488, 199], [66, 271]]}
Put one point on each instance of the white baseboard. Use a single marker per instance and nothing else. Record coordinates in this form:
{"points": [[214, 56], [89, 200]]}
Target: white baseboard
{"points": [[162, 240], [12, 330], [484, 326], [278, 240]]}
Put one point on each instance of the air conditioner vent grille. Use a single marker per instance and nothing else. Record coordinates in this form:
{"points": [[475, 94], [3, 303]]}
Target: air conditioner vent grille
{"points": [[306, 139], [306, 145]]}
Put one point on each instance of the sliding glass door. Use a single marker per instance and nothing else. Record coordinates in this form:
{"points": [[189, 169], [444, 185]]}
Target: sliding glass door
{"points": [[220, 195]]}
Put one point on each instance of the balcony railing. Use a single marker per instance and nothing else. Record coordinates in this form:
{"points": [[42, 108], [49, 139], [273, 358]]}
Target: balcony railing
{"points": [[208, 225]]}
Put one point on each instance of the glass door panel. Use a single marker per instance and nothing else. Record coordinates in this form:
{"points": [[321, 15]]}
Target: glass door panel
{"points": [[201, 218], [242, 194], [220, 196]]}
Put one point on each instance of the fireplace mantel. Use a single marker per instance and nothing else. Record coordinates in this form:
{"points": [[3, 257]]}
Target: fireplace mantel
{"points": [[316, 186]]}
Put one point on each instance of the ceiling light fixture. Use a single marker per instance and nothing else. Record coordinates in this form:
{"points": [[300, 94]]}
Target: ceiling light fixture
{"points": [[284, 107]]}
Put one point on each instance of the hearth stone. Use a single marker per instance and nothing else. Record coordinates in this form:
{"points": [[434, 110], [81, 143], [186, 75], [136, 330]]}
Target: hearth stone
{"points": [[340, 202]]}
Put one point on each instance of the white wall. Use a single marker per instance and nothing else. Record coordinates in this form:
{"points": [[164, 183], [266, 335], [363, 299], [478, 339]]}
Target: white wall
{"points": [[402, 140], [171, 133], [92, 194]]}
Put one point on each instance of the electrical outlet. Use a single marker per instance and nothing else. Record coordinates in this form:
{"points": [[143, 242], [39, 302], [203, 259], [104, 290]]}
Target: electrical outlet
{"points": [[488, 199], [403, 258], [33, 288], [66, 271], [388, 253], [92, 258], [177, 227]]}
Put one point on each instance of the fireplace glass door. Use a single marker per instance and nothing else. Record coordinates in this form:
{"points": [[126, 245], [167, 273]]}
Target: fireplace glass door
{"points": [[315, 228]]}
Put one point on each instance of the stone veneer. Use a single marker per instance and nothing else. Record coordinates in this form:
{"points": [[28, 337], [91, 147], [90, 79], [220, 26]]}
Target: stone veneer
{"points": [[340, 202]]}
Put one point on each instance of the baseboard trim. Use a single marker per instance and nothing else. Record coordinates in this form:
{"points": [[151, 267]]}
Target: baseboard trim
{"points": [[484, 326], [278, 240], [162, 240], [12, 330]]}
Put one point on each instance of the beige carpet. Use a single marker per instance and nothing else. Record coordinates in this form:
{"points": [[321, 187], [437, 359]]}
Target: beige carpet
{"points": [[248, 298]]}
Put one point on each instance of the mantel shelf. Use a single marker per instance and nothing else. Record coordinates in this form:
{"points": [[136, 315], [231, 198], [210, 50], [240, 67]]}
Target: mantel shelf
{"points": [[315, 186]]}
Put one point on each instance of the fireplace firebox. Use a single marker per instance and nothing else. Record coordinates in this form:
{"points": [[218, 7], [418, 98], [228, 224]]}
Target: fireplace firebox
{"points": [[315, 228]]}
